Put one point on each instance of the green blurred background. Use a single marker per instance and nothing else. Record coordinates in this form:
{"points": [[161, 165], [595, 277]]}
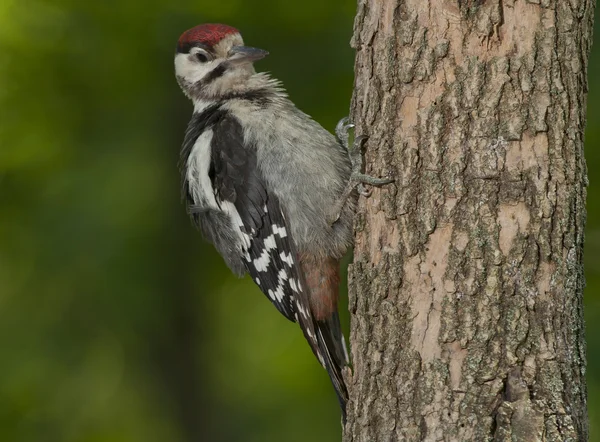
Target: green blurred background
{"points": [[117, 322]]}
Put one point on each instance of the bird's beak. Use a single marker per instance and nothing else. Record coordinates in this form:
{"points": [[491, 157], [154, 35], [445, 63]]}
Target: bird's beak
{"points": [[245, 54]]}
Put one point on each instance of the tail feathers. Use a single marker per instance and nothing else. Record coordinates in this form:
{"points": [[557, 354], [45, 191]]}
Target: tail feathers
{"points": [[316, 313], [332, 348]]}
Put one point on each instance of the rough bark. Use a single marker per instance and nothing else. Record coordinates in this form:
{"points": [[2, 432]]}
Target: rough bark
{"points": [[467, 282]]}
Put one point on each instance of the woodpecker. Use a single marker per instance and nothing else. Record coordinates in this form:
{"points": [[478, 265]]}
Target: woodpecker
{"points": [[271, 189]]}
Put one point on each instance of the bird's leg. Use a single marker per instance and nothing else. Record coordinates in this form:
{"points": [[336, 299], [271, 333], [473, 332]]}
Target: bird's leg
{"points": [[357, 178]]}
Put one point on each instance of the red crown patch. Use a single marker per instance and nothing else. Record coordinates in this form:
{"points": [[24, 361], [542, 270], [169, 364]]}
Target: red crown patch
{"points": [[208, 34]]}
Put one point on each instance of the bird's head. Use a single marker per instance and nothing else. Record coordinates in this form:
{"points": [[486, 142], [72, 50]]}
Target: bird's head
{"points": [[211, 61]]}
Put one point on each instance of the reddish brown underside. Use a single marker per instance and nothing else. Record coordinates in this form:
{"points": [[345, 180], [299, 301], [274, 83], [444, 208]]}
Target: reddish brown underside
{"points": [[322, 277]]}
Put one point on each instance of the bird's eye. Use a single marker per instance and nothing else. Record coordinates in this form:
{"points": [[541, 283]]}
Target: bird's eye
{"points": [[202, 58]]}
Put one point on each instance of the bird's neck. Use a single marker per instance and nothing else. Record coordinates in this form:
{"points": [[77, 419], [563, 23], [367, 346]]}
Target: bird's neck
{"points": [[257, 85]]}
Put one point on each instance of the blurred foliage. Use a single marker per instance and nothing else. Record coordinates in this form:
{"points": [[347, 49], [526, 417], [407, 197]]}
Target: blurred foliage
{"points": [[117, 322]]}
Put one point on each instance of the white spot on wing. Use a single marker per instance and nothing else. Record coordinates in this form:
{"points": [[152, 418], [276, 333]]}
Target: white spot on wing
{"points": [[277, 295], [262, 262], [279, 230], [302, 310], [270, 242], [283, 276], [287, 258]]}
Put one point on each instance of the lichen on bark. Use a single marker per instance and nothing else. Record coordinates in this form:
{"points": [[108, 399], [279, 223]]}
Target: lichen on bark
{"points": [[467, 281]]}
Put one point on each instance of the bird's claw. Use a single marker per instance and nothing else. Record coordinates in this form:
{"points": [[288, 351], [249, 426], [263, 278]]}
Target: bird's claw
{"points": [[361, 188], [359, 143], [342, 132]]}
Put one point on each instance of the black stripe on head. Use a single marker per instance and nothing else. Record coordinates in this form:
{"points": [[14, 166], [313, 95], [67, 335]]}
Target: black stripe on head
{"points": [[198, 87], [214, 74]]}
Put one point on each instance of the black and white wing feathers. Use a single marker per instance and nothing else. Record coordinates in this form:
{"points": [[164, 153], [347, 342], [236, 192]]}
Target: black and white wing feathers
{"points": [[268, 252]]}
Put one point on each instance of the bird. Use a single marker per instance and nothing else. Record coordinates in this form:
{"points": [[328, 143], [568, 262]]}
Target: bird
{"points": [[268, 186]]}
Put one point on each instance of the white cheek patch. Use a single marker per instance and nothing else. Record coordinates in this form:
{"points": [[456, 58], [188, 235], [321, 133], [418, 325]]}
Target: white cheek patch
{"points": [[192, 70]]}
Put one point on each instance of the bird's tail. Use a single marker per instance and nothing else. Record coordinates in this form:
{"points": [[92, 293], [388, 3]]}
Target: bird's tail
{"points": [[332, 347], [316, 305]]}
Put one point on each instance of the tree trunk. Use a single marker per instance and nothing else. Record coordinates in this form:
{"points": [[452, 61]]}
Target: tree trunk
{"points": [[467, 282]]}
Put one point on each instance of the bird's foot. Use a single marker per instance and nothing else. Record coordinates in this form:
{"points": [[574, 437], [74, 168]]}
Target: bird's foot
{"points": [[357, 178]]}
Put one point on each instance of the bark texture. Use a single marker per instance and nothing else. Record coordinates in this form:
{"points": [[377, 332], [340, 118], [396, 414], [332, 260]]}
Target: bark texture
{"points": [[467, 282]]}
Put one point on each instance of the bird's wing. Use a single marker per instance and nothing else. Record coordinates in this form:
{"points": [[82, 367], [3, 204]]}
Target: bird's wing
{"points": [[268, 249]]}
